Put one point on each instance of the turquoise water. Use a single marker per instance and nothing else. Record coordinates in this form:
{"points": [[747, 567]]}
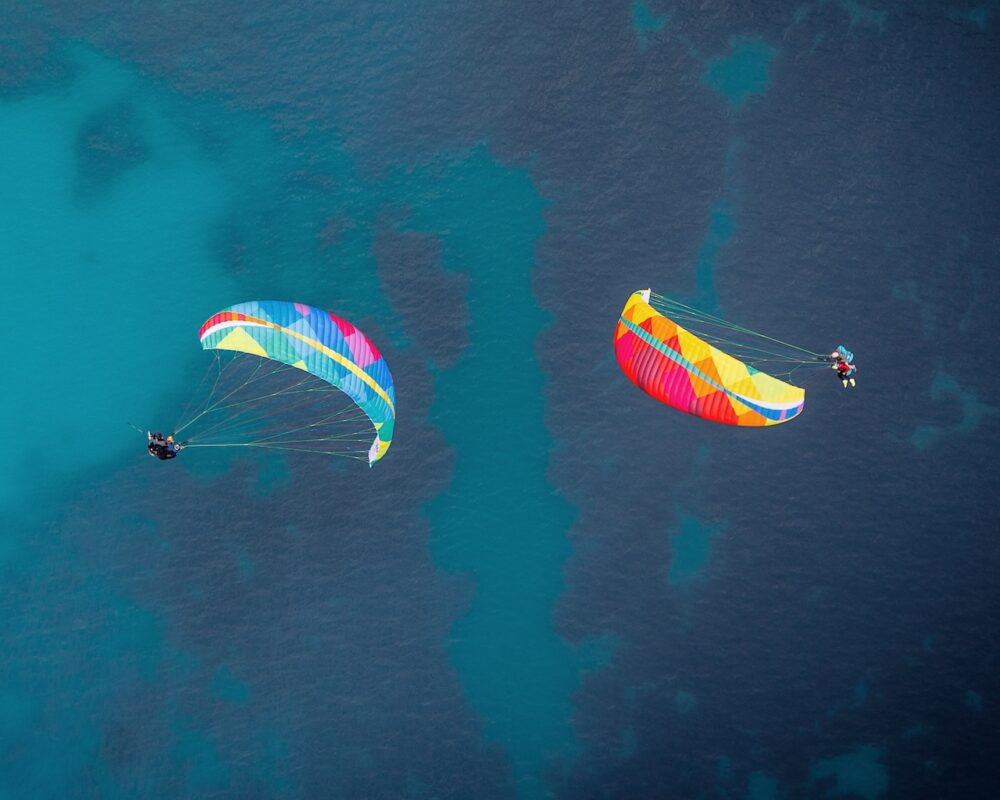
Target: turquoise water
{"points": [[117, 203], [692, 549], [139, 263], [505, 646], [743, 72], [645, 22], [119, 251], [860, 773]]}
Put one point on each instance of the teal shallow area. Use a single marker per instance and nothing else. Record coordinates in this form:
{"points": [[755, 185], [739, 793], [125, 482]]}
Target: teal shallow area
{"points": [[866, 15], [100, 263], [762, 786], [743, 72], [721, 227], [964, 413], [979, 16], [226, 686], [646, 23], [691, 547], [117, 200], [161, 206], [499, 522], [859, 773]]}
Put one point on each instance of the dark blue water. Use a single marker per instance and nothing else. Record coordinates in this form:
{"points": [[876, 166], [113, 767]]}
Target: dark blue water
{"points": [[551, 586]]}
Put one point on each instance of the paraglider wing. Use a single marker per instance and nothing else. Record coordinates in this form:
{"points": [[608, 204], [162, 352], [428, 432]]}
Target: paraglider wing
{"points": [[318, 342], [678, 368]]}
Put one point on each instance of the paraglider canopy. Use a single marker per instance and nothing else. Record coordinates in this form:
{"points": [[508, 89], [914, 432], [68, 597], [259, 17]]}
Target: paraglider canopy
{"points": [[687, 371], [290, 376]]}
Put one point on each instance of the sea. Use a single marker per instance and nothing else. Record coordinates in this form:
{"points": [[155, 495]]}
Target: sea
{"points": [[552, 586]]}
